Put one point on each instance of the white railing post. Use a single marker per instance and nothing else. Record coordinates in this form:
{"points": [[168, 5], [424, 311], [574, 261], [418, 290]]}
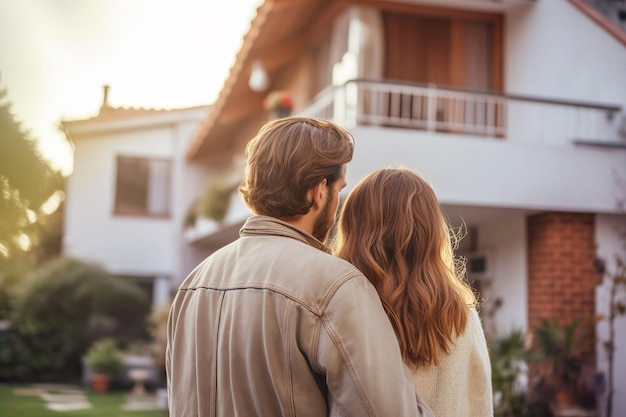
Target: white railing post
{"points": [[418, 106], [431, 108], [490, 116]]}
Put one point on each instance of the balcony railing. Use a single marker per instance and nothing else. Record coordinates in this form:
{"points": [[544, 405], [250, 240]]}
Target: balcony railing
{"points": [[441, 109]]}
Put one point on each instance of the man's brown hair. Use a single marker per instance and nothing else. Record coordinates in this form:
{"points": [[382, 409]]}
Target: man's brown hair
{"points": [[287, 158]]}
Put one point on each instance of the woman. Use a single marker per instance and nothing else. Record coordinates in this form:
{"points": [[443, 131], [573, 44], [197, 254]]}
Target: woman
{"points": [[392, 229]]}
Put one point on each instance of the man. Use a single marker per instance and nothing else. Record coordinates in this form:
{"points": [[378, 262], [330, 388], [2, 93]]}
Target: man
{"points": [[272, 324]]}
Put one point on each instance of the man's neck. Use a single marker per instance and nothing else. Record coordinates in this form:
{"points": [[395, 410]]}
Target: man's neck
{"points": [[304, 222]]}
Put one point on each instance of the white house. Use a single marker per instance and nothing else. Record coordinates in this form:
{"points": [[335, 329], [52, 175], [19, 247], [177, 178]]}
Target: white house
{"points": [[130, 191], [512, 109]]}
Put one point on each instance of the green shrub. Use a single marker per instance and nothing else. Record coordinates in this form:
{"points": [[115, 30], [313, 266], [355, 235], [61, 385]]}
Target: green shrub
{"points": [[64, 306]]}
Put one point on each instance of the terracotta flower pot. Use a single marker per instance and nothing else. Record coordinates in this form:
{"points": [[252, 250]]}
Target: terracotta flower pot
{"points": [[564, 398], [100, 383]]}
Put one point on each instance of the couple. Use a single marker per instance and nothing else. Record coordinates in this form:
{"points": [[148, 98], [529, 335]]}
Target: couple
{"points": [[275, 325]]}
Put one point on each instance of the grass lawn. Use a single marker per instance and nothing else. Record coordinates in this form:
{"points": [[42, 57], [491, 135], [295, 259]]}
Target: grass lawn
{"points": [[104, 405]]}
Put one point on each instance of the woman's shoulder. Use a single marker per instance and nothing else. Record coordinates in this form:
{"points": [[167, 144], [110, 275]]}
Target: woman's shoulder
{"points": [[473, 325]]}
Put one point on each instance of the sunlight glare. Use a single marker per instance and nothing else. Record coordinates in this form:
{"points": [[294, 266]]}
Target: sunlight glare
{"points": [[52, 204]]}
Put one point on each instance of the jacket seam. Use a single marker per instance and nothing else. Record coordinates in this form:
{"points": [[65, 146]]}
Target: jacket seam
{"points": [[330, 293], [340, 347], [315, 342], [213, 407], [289, 314], [346, 360]]}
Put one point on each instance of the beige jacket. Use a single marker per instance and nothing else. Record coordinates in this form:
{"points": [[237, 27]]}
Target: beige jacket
{"points": [[460, 384], [271, 325]]}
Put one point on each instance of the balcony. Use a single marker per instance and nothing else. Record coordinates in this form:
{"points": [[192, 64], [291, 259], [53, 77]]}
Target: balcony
{"points": [[437, 109], [208, 232], [543, 133]]}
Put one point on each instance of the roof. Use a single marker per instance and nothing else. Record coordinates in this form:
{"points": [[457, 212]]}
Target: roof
{"points": [[111, 119], [109, 113], [277, 35]]}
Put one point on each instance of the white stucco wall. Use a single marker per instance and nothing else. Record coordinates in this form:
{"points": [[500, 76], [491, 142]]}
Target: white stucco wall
{"points": [[554, 50], [609, 228], [122, 244], [490, 172], [505, 243]]}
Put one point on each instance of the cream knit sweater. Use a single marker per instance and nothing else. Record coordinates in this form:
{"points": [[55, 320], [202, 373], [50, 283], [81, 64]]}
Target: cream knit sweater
{"points": [[460, 385]]}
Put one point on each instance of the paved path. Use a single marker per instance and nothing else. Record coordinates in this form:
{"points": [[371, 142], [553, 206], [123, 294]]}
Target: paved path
{"points": [[58, 397], [69, 398]]}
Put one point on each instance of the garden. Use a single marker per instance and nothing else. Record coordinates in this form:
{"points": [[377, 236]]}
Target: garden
{"points": [[77, 339], [65, 323]]}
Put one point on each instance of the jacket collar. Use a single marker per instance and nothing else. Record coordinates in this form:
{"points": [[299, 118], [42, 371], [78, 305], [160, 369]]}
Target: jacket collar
{"points": [[265, 225]]}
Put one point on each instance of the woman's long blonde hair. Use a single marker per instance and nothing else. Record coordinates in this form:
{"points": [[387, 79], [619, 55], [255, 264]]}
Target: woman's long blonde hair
{"points": [[392, 229]]}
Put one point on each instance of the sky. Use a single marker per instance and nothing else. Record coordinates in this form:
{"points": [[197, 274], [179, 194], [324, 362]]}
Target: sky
{"points": [[55, 56]]}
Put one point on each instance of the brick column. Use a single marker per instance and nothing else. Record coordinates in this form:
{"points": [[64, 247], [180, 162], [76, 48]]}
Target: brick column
{"points": [[561, 278]]}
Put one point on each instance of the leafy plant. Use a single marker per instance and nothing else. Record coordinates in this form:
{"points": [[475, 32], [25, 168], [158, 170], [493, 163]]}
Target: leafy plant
{"points": [[560, 351], [508, 354], [278, 100], [213, 204], [104, 357]]}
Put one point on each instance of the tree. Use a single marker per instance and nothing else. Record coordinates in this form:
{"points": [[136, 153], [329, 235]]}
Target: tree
{"points": [[30, 233], [27, 181]]}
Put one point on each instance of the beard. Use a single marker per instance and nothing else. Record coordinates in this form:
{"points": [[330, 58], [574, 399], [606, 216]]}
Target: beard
{"points": [[323, 223]]}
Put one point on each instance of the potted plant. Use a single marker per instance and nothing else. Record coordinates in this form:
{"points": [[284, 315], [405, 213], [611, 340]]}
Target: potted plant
{"points": [[279, 103], [559, 352], [105, 360]]}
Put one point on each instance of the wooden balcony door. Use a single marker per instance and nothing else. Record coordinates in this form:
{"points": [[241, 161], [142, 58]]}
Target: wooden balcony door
{"points": [[454, 52], [463, 51]]}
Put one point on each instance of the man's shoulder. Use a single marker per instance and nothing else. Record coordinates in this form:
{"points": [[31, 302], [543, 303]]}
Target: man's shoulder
{"points": [[323, 262], [278, 263]]}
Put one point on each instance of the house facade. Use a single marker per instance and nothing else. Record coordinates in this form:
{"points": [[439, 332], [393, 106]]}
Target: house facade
{"points": [[130, 191], [513, 110]]}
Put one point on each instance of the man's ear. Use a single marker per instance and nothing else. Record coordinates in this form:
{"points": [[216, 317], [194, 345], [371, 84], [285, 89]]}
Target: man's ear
{"points": [[319, 194]]}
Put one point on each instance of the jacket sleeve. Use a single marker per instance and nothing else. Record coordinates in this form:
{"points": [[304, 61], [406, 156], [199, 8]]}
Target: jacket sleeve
{"points": [[359, 354]]}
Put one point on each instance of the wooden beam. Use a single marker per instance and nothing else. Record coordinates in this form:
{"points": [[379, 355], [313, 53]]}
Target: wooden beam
{"points": [[278, 54], [427, 10], [241, 111], [282, 5], [330, 9]]}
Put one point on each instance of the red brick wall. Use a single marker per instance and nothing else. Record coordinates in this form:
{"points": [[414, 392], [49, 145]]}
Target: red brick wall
{"points": [[561, 278]]}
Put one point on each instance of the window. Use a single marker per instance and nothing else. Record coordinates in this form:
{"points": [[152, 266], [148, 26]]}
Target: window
{"points": [[142, 187]]}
